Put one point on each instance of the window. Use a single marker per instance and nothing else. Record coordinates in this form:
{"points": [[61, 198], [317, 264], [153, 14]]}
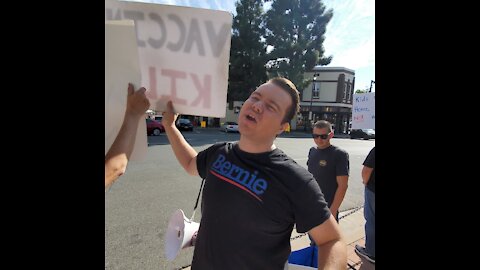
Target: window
{"points": [[316, 90], [349, 92]]}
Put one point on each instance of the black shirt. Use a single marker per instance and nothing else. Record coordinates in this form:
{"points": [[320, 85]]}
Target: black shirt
{"points": [[370, 162], [325, 165], [250, 204]]}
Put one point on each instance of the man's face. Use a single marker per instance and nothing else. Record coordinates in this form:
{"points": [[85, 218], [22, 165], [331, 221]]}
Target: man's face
{"points": [[323, 132], [262, 113]]}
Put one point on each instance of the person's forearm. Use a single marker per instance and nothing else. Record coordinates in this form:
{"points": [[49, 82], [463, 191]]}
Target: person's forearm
{"points": [[183, 151], [338, 198], [366, 172], [332, 255], [117, 156]]}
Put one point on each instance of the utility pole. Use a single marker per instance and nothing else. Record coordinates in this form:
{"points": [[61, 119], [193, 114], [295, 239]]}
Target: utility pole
{"points": [[371, 82], [310, 113]]}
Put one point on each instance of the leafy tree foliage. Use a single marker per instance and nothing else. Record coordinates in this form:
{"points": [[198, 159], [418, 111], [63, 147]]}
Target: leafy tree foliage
{"points": [[359, 91], [248, 49], [296, 30]]}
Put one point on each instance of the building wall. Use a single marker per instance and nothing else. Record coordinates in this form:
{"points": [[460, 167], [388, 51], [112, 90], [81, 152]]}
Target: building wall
{"points": [[328, 92], [327, 82], [232, 115], [334, 101]]}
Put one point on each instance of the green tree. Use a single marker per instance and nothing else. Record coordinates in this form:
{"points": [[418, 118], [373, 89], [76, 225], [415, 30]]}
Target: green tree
{"points": [[296, 30], [247, 54], [359, 91]]}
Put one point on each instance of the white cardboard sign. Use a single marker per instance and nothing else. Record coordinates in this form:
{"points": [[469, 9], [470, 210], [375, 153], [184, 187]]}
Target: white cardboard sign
{"points": [[183, 52], [363, 111], [121, 67]]}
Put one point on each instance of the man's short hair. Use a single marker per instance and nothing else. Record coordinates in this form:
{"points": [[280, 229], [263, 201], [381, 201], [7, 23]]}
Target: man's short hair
{"points": [[323, 124], [291, 89]]}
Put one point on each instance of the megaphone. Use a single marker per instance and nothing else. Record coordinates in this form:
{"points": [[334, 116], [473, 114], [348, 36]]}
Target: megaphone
{"points": [[181, 233]]}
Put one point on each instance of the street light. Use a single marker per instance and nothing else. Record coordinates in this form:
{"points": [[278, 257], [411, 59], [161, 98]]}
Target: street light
{"points": [[371, 82], [310, 116]]}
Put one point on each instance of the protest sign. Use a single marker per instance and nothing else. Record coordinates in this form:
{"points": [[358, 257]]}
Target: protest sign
{"points": [[363, 111], [183, 52], [121, 67]]}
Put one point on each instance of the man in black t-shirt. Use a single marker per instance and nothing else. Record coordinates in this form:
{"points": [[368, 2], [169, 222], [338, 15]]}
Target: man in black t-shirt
{"points": [[329, 165], [254, 193]]}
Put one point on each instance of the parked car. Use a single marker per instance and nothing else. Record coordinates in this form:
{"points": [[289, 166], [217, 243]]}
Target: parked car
{"points": [[366, 134], [184, 124], [154, 127], [229, 127]]}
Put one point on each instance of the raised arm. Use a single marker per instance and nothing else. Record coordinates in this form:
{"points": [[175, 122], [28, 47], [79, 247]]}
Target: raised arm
{"points": [[332, 250], [186, 155], [119, 153]]}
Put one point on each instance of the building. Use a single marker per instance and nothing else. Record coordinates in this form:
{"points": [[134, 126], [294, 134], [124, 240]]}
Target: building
{"points": [[231, 112], [328, 97]]}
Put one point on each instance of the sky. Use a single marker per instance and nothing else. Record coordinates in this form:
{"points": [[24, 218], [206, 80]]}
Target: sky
{"points": [[350, 36]]}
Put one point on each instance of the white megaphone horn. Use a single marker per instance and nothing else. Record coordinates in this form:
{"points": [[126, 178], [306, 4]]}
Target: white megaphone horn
{"points": [[181, 233]]}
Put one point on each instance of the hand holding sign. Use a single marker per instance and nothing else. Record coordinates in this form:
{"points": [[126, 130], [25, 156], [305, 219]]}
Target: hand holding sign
{"points": [[137, 102], [120, 152], [169, 116]]}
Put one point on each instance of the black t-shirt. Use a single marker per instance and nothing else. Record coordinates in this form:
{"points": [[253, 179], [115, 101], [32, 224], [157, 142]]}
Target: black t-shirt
{"points": [[370, 162], [250, 203], [325, 165]]}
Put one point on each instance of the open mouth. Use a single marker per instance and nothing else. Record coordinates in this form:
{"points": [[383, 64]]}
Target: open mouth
{"points": [[251, 118]]}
